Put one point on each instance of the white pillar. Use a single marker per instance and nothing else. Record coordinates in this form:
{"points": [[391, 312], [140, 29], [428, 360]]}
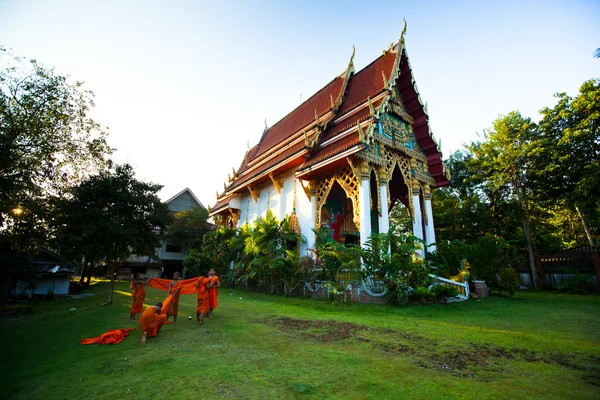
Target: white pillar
{"points": [[310, 235], [384, 219], [365, 209], [417, 217], [429, 229]]}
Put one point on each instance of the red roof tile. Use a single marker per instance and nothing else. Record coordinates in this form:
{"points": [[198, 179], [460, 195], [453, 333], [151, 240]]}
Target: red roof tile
{"points": [[300, 117], [367, 83]]}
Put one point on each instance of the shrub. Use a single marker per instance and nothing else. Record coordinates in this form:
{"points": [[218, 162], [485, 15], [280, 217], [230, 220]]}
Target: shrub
{"points": [[421, 293], [397, 292], [577, 283], [509, 281], [441, 291]]}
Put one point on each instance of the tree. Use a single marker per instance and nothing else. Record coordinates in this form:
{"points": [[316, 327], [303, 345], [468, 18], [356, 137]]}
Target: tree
{"points": [[47, 143], [568, 159], [189, 226], [504, 162], [110, 216]]}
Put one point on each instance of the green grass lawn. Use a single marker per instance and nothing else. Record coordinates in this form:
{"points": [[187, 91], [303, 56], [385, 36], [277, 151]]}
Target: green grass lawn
{"points": [[534, 345]]}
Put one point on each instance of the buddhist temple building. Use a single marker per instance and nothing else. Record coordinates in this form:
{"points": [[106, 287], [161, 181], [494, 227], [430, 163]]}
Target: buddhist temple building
{"points": [[343, 158]]}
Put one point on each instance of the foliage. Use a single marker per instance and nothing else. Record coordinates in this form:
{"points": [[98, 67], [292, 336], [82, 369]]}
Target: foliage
{"points": [[398, 291], [421, 293], [189, 226], [48, 142], [270, 255], [110, 216], [441, 291], [393, 260], [568, 161], [487, 256], [197, 261], [509, 280], [578, 283], [504, 161]]}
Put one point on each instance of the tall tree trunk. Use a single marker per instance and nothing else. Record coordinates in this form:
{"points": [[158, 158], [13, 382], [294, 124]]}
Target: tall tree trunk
{"points": [[585, 228], [527, 231], [526, 221], [112, 271]]}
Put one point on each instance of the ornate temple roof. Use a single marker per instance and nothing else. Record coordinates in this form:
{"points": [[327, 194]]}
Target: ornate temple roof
{"points": [[329, 124]]}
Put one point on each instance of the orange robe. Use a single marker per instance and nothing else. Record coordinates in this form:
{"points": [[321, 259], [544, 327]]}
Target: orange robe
{"points": [[203, 297], [150, 320], [174, 306], [113, 336], [139, 295], [213, 292]]}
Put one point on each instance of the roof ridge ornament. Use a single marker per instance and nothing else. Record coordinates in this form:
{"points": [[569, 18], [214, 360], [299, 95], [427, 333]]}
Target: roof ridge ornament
{"points": [[401, 40]]}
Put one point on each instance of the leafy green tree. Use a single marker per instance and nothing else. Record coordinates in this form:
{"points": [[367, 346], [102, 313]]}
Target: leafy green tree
{"points": [[568, 158], [189, 227], [504, 162], [48, 142], [110, 216]]}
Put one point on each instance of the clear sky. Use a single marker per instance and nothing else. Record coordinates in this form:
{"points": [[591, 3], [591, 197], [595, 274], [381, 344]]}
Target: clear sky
{"points": [[185, 85]]}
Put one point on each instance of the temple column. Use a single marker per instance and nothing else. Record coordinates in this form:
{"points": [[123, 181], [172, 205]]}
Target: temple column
{"points": [[417, 217], [384, 218], [310, 236], [365, 204], [429, 229]]}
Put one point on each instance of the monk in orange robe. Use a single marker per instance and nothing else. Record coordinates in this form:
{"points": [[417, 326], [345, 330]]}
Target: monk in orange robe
{"points": [[151, 321], [203, 297], [139, 295], [213, 291], [174, 288]]}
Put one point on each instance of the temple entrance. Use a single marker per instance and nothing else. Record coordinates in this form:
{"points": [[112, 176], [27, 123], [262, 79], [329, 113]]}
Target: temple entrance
{"points": [[337, 215], [400, 212]]}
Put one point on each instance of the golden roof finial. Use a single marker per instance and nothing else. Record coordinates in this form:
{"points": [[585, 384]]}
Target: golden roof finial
{"points": [[371, 108], [401, 40]]}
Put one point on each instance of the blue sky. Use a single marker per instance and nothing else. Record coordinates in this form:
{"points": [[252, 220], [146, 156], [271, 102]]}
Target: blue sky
{"points": [[184, 86]]}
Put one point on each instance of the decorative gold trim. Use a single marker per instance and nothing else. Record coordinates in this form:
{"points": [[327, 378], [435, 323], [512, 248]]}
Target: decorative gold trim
{"points": [[253, 193], [278, 183], [307, 190], [349, 183]]}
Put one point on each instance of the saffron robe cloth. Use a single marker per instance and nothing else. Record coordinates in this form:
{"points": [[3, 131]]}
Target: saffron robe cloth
{"points": [[213, 292], [113, 336], [139, 295], [188, 286], [203, 296], [150, 320]]}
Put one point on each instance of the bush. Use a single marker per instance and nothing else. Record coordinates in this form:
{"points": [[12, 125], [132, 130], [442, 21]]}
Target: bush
{"points": [[577, 283], [397, 292], [421, 293], [442, 291], [509, 281]]}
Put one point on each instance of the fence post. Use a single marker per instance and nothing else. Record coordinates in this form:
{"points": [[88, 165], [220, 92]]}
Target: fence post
{"points": [[539, 270], [596, 259]]}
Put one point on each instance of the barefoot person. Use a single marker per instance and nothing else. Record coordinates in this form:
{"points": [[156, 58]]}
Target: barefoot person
{"points": [[203, 297], [139, 295], [151, 321], [213, 291], [174, 287]]}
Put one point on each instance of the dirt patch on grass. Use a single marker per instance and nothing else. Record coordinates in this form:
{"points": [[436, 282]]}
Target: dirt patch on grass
{"points": [[468, 360], [322, 331]]}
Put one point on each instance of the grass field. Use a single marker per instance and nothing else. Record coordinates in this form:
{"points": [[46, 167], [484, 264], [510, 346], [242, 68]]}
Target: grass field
{"points": [[535, 345]]}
